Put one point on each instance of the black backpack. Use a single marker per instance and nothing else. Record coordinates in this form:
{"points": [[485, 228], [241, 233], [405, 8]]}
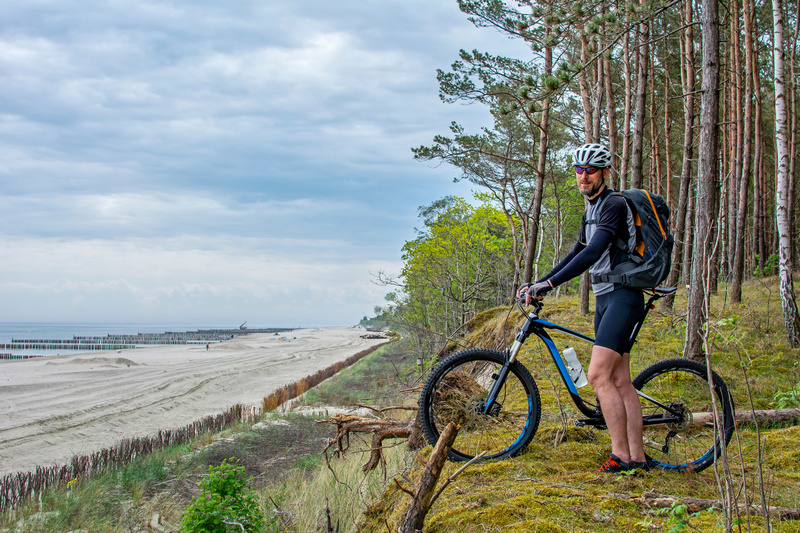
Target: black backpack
{"points": [[649, 263]]}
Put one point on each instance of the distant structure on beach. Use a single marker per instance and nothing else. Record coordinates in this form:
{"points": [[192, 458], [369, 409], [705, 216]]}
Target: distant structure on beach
{"points": [[123, 342]]}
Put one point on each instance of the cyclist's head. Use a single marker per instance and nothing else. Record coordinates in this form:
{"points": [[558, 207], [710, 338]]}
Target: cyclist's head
{"points": [[592, 155], [591, 161]]}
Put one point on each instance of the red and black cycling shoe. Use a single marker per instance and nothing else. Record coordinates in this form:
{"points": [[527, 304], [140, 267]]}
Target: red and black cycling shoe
{"points": [[614, 465]]}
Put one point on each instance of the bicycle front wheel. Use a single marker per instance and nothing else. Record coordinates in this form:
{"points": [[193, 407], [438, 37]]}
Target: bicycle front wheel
{"points": [[456, 391], [678, 392]]}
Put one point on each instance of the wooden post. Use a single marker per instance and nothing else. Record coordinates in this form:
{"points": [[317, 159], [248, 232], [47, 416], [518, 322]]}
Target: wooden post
{"points": [[421, 502]]}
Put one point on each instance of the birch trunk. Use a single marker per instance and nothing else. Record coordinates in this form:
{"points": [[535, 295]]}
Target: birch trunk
{"points": [[791, 318]]}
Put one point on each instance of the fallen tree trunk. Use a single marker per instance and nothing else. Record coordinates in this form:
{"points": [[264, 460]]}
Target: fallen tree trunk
{"points": [[653, 499], [747, 417]]}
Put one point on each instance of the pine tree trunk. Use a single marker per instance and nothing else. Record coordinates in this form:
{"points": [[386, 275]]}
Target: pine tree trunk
{"points": [[536, 213], [747, 147], [611, 119], [793, 143], [668, 193], [642, 55], [597, 115], [737, 151], [688, 239], [705, 215], [626, 136], [585, 96], [586, 287], [655, 153], [688, 79]]}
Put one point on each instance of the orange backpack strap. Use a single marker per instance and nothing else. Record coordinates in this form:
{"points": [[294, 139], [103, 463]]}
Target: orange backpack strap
{"points": [[653, 205]]}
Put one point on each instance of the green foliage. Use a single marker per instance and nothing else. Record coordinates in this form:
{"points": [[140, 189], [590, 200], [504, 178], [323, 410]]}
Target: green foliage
{"points": [[679, 516], [225, 504], [142, 474], [787, 399], [769, 268], [461, 263], [384, 371]]}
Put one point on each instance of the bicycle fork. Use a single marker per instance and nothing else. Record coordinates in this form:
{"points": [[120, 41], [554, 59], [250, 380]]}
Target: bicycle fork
{"points": [[500, 378]]}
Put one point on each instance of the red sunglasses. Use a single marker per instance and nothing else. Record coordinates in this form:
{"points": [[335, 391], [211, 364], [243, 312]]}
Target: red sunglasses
{"points": [[588, 170]]}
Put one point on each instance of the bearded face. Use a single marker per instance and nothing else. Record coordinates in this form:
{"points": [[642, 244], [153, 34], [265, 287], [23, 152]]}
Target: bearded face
{"points": [[590, 184]]}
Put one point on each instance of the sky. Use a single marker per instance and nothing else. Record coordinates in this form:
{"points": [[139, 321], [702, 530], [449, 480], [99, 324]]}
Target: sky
{"points": [[213, 162]]}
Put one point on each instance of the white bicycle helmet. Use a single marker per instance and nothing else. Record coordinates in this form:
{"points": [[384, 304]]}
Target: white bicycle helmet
{"points": [[592, 155]]}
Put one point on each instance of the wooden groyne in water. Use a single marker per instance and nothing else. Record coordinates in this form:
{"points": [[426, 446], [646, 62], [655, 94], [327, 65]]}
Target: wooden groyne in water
{"points": [[124, 342]]}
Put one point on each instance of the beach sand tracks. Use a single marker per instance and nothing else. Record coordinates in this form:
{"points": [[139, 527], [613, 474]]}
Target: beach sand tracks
{"points": [[81, 403], [116, 362]]}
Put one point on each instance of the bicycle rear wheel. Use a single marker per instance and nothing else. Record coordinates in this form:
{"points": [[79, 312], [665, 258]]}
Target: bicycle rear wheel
{"points": [[691, 440], [456, 391]]}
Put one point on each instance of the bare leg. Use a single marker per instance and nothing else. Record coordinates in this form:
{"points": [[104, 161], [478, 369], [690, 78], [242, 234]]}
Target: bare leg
{"points": [[633, 409], [602, 374]]}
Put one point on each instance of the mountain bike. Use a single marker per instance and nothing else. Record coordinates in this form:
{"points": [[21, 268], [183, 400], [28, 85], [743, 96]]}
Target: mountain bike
{"points": [[688, 412]]}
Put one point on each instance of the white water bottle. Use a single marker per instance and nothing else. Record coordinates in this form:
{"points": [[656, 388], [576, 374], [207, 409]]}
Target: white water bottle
{"points": [[574, 367]]}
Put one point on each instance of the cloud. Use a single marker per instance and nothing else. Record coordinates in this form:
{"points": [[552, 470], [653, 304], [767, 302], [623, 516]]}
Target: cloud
{"points": [[201, 157], [185, 280]]}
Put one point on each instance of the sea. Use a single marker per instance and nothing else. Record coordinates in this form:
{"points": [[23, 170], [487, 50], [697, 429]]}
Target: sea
{"points": [[68, 330]]}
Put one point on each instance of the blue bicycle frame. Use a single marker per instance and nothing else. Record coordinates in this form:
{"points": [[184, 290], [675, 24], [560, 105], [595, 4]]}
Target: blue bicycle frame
{"points": [[535, 325]]}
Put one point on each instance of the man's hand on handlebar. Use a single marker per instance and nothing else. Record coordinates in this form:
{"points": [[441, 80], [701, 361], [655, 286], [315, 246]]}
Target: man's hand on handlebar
{"points": [[533, 290]]}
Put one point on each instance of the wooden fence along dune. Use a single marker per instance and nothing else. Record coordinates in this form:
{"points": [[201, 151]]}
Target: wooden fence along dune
{"points": [[16, 487]]}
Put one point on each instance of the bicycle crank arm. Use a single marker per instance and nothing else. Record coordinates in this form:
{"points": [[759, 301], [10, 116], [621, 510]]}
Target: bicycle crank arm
{"points": [[599, 423]]}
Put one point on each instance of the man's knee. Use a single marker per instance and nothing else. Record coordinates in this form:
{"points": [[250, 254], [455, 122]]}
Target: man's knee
{"points": [[626, 388], [602, 367]]}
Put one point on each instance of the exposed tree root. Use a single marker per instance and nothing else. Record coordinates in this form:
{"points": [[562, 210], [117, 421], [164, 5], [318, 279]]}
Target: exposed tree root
{"points": [[381, 430]]}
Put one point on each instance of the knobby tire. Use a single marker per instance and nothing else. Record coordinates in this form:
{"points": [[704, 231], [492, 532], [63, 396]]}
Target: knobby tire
{"points": [[456, 391]]}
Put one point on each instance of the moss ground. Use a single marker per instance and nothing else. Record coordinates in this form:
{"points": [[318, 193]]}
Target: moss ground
{"points": [[553, 485]]}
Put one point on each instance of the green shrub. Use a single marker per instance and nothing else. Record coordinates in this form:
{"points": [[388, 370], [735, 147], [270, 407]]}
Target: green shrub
{"points": [[225, 504], [787, 399]]}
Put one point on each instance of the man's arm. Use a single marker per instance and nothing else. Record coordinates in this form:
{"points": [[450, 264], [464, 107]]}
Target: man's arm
{"points": [[569, 257], [582, 260]]}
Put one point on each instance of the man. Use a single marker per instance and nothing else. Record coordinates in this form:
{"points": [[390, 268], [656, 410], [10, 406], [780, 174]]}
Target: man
{"points": [[618, 309]]}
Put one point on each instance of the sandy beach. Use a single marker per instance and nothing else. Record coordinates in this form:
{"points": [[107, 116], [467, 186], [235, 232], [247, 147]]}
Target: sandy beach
{"points": [[53, 408]]}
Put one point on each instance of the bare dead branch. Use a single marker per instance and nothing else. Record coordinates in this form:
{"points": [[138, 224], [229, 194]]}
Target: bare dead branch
{"points": [[421, 503]]}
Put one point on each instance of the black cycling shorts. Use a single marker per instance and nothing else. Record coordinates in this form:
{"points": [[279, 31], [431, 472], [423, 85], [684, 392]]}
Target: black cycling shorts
{"points": [[615, 316]]}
